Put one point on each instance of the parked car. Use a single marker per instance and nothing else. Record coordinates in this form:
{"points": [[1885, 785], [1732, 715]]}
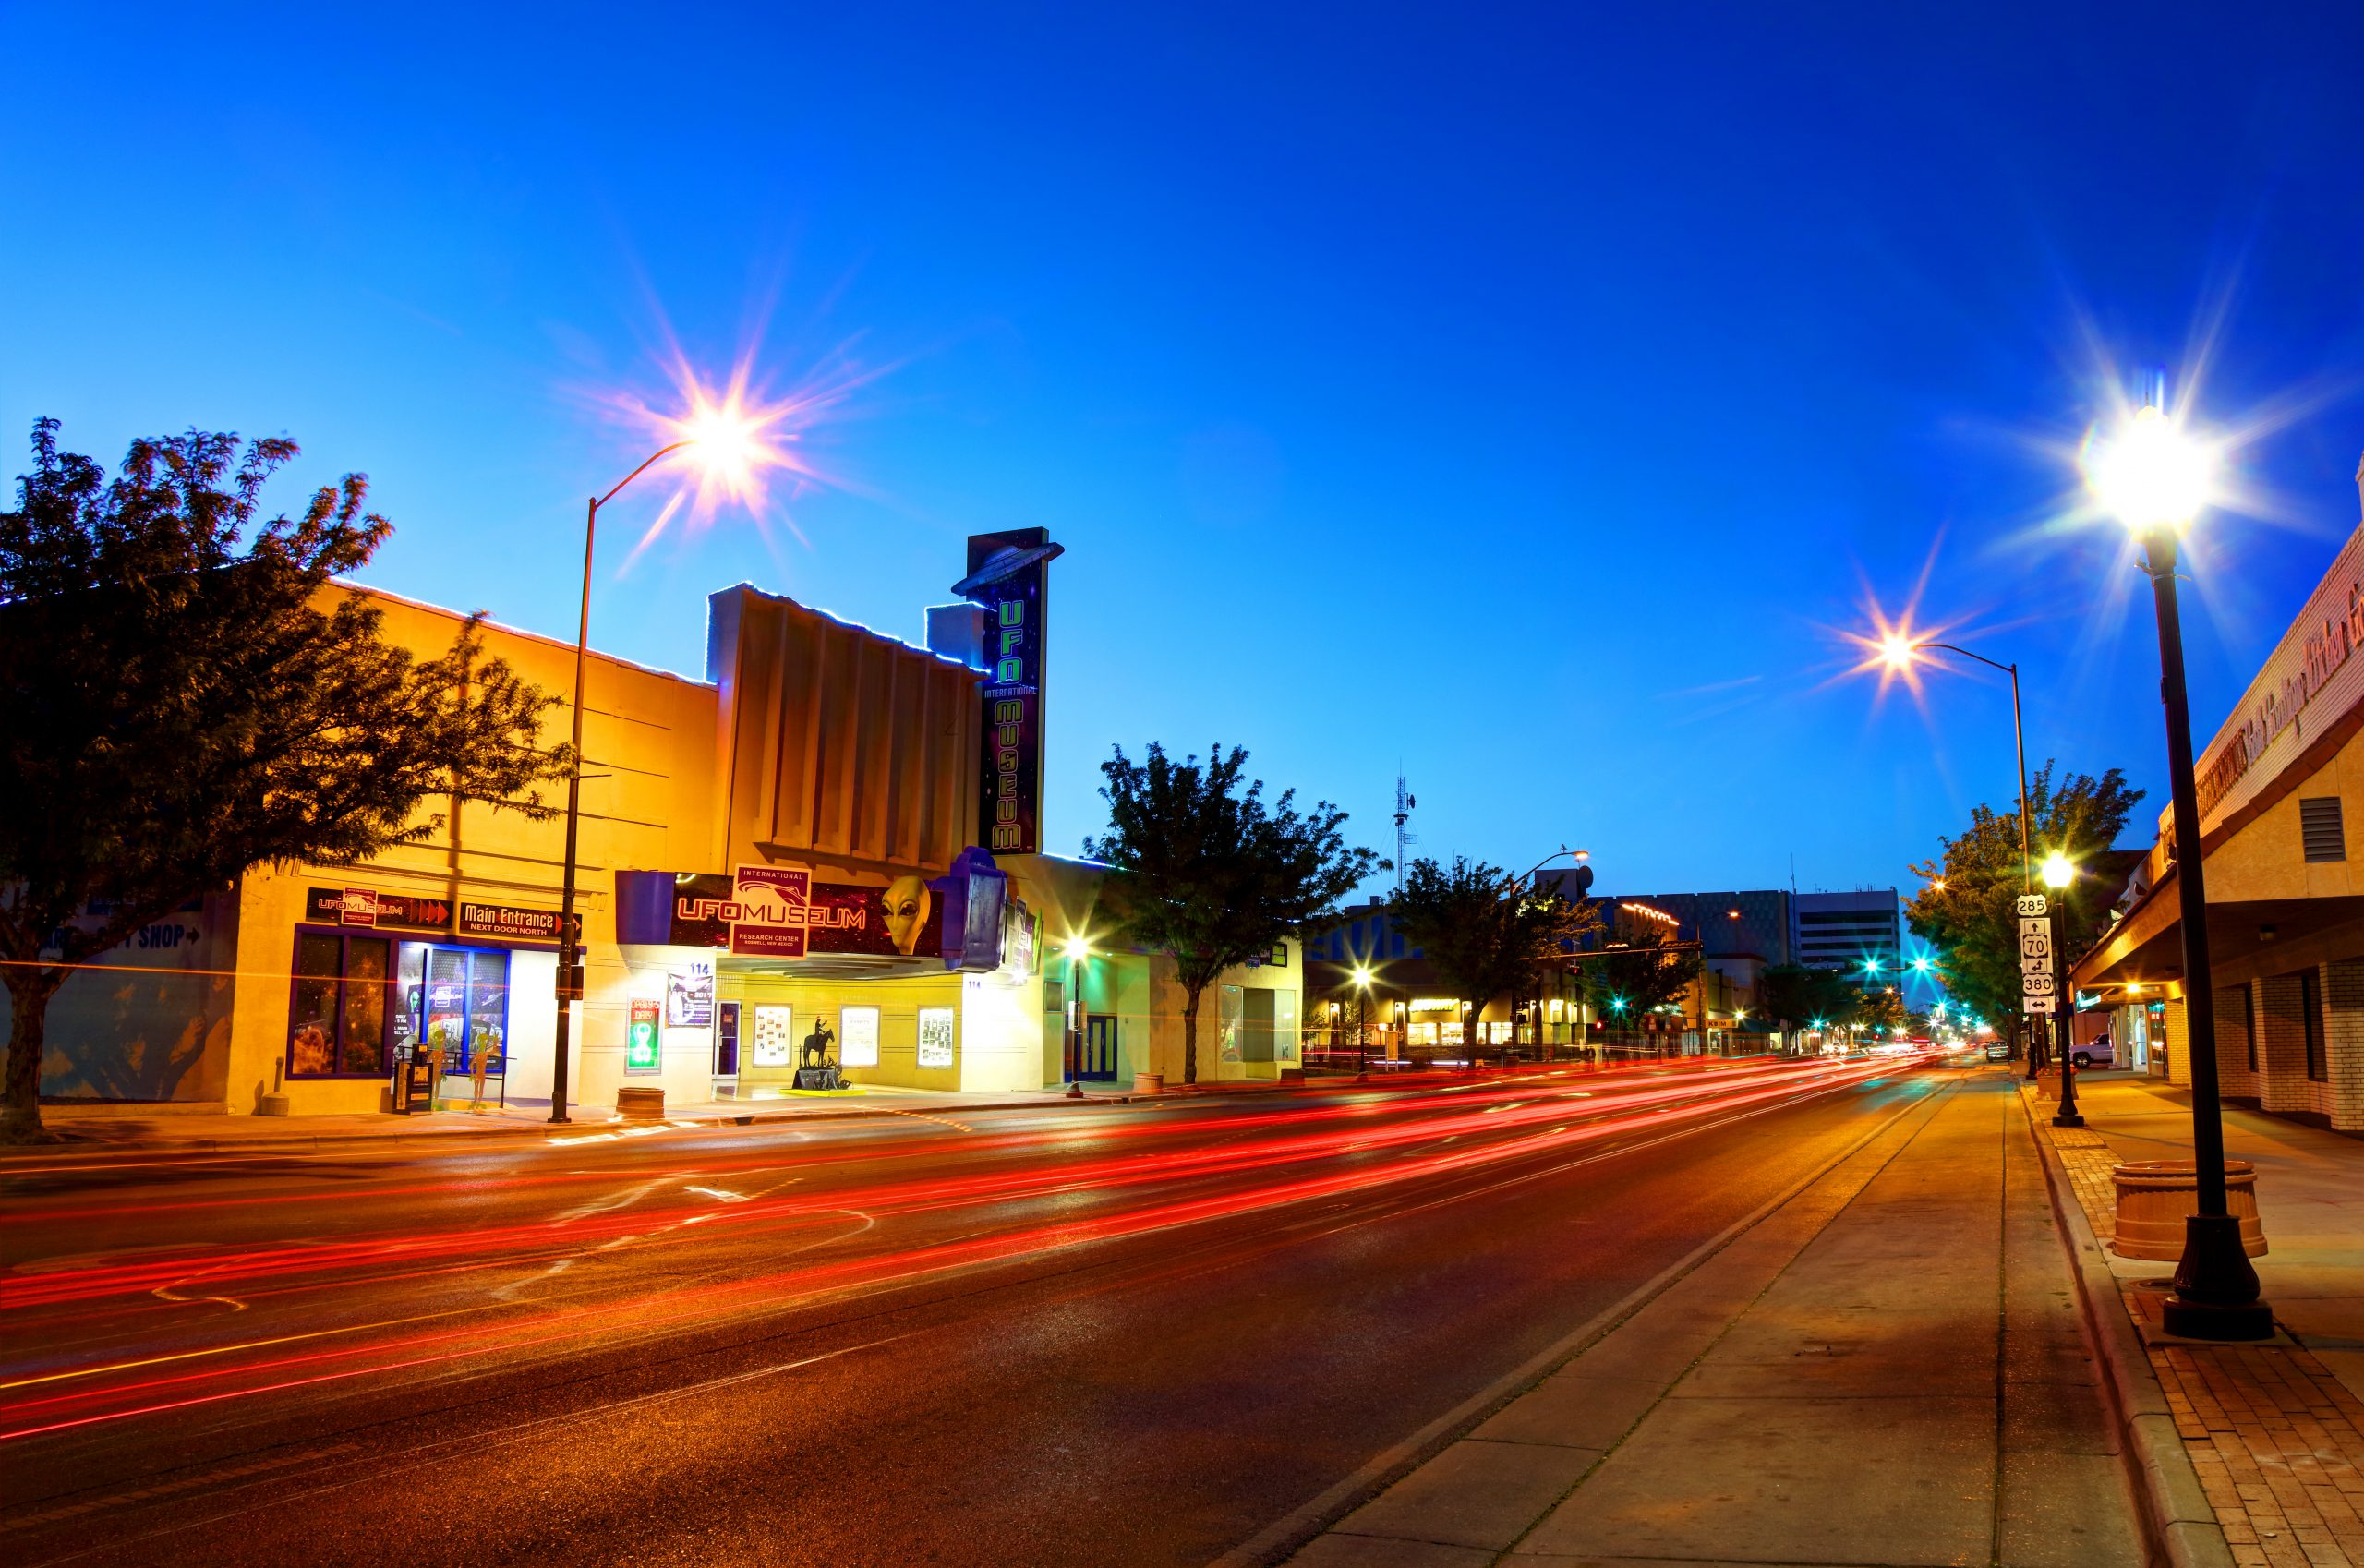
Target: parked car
{"points": [[1999, 1050], [2101, 1052]]}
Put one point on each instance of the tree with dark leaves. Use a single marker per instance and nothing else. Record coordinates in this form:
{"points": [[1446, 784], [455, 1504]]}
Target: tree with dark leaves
{"points": [[189, 695], [1212, 876], [1967, 910], [1484, 931]]}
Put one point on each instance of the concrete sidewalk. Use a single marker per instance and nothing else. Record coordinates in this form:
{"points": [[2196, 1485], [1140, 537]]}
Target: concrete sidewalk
{"points": [[2275, 1431], [1890, 1369]]}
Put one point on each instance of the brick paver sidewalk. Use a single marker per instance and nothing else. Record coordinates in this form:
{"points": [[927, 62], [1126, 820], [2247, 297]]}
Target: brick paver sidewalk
{"points": [[2278, 1439]]}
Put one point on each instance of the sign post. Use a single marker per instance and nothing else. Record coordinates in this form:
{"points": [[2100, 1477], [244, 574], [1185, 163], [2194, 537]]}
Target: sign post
{"points": [[2037, 989], [2043, 984], [2067, 1115]]}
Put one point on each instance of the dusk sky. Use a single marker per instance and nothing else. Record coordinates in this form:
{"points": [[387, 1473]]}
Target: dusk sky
{"points": [[1530, 398]]}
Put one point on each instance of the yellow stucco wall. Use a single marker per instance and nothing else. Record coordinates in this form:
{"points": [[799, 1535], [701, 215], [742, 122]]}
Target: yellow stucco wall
{"points": [[2264, 859], [649, 751]]}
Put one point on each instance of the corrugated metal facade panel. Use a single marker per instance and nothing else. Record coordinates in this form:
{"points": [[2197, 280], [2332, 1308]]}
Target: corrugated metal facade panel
{"points": [[838, 745]]}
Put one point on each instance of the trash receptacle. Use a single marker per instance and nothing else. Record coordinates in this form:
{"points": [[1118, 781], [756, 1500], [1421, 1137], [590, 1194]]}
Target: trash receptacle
{"points": [[413, 1081]]}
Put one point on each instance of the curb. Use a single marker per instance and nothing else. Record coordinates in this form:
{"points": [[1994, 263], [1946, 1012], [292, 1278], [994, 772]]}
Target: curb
{"points": [[300, 1143], [2176, 1514]]}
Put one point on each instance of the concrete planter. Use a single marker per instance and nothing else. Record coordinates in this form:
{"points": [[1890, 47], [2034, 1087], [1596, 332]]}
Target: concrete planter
{"points": [[638, 1104], [1149, 1083], [2155, 1197]]}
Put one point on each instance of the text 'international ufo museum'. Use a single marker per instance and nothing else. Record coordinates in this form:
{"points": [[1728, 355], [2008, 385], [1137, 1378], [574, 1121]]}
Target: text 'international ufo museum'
{"points": [[834, 839]]}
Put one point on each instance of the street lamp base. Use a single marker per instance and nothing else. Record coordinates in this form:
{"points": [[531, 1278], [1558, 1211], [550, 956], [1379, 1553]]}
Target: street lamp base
{"points": [[2216, 1295], [2069, 1118], [1075, 1090], [2203, 1320]]}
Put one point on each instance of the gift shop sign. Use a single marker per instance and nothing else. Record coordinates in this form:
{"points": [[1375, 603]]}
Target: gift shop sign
{"points": [[362, 906]]}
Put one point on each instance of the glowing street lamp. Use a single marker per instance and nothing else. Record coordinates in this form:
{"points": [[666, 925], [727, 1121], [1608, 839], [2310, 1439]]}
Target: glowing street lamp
{"points": [[2059, 872], [2155, 476], [726, 443], [1075, 950], [1900, 654], [1362, 977]]}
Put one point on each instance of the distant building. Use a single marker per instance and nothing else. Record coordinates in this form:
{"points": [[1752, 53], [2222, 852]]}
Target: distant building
{"points": [[1368, 988], [1743, 933], [1859, 931]]}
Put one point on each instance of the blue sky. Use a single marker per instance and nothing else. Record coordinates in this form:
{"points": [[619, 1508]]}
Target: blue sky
{"points": [[1522, 395]]}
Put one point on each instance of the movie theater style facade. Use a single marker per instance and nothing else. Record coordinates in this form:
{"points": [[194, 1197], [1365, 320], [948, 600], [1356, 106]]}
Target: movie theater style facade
{"points": [[832, 843]]}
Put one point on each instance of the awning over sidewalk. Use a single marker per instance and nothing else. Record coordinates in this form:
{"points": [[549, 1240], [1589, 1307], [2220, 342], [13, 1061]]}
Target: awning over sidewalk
{"points": [[2246, 939]]}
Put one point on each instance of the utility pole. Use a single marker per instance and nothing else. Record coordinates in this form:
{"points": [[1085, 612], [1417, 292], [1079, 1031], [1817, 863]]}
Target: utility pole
{"points": [[1403, 840]]}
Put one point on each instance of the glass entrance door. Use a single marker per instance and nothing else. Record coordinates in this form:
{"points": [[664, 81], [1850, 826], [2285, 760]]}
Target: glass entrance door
{"points": [[463, 1009], [1099, 1064]]}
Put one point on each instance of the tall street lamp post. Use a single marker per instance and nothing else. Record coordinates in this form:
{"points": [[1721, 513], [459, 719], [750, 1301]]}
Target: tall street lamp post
{"points": [[2156, 480], [1583, 881], [1899, 655], [1362, 1022], [2057, 874], [1076, 950], [722, 439]]}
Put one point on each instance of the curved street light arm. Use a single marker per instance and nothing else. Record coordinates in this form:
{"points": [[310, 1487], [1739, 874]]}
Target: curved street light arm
{"points": [[660, 452], [1948, 647], [1547, 860]]}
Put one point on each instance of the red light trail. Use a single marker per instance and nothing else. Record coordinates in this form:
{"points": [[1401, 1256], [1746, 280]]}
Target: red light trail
{"points": [[1130, 1185]]}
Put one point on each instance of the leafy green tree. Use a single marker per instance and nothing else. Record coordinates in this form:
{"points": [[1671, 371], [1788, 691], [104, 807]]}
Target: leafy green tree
{"points": [[188, 696], [1966, 908], [1639, 976], [1454, 916], [1486, 934], [1877, 1009], [1211, 876], [1796, 995]]}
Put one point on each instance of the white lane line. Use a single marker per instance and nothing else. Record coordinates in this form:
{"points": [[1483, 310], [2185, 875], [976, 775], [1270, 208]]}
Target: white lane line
{"points": [[624, 1200]]}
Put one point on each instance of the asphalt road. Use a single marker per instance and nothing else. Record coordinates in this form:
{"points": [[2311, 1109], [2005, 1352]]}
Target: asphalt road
{"points": [[1131, 1335]]}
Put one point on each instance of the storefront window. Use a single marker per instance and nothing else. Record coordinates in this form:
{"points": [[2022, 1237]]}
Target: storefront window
{"points": [[462, 1007], [337, 1020], [488, 1010]]}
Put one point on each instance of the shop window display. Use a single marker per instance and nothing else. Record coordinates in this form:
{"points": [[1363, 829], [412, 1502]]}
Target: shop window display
{"points": [[337, 1020]]}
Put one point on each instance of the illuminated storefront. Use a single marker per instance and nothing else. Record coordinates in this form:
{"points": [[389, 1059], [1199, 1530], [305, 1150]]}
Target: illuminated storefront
{"points": [[829, 844]]}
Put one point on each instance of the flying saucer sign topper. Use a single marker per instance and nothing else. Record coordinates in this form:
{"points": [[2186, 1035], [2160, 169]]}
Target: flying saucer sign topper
{"points": [[1008, 573]]}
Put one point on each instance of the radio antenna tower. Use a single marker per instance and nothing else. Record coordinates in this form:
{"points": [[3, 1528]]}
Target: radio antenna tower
{"points": [[1403, 840]]}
